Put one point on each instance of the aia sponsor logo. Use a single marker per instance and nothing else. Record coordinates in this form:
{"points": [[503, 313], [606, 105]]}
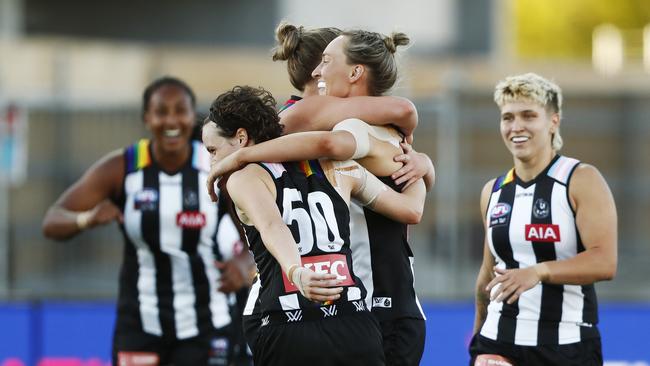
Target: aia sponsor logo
{"points": [[500, 214], [549, 233], [190, 219], [335, 264]]}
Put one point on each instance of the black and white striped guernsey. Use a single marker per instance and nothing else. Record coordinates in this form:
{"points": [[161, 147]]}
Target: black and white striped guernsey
{"points": [[168, 280], [384, 261], [318, 218], [529, 223], [382, 258]]}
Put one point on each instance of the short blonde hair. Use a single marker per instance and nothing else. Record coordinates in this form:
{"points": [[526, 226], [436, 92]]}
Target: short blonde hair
{"points": [[533, 88]]}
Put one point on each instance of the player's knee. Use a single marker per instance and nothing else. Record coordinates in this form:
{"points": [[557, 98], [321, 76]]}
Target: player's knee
{"points": [[492, 360]]}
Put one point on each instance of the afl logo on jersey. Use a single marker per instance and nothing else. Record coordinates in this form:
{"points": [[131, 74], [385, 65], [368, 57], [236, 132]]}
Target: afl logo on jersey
{"points": [[499, 214], [541, 209], [146, 200]]}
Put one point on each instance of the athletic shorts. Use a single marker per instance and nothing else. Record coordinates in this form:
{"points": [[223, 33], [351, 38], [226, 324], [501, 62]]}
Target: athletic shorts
{"points": [[403, 341], [213, 349], [585, 353], [339, 341]]}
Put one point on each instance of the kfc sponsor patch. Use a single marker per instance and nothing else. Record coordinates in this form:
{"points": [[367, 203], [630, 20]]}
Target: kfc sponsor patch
{"points": [[329, 263]]}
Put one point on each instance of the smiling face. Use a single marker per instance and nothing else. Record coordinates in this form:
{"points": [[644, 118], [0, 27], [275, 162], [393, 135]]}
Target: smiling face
{"points": [[170, 118], [333, 73], [527, 129]]}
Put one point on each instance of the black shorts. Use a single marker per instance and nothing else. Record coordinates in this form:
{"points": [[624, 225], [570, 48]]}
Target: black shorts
{"points": [[403, 341], [340, 341], [213, 349], [251, 326], [584, 353]]}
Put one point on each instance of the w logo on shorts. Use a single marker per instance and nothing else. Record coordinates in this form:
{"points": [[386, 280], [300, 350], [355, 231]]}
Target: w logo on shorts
{"points": [[359, 305], [293, 316], [329, 311]]}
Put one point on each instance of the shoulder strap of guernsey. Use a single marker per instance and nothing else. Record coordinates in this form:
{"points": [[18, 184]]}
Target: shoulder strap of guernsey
{"points": [[291, 101], [562, 169], [503, 180], [311, 167], [137, 156], [276, 169], [200, 157]]}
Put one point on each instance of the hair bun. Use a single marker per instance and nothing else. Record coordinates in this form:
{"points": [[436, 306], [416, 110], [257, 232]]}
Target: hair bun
{"points": [[394, 40], [288, 38]]}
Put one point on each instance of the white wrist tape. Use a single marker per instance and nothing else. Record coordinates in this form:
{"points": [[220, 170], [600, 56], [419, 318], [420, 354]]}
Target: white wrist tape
{"points": [[370, 188], [83, 219], [296, 278]]}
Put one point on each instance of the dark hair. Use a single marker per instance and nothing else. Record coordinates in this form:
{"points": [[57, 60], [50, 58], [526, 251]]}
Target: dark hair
{"points": [[302, 49], [252, 109], [159, 83], [377, 53]]}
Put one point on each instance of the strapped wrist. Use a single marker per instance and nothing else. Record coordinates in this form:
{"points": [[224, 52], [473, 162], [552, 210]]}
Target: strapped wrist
{"points": [[83, 219]]}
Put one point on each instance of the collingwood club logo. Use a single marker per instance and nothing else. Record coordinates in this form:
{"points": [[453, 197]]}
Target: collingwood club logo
{"points": [[541, 209]]}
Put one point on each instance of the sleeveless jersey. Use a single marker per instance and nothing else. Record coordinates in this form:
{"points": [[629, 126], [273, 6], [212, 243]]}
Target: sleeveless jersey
{"points": [[168, 280], [384, 261], [529, 223], [318, 218]]}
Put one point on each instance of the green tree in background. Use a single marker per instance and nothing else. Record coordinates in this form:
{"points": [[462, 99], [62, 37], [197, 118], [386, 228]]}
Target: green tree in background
{"points": [[563, 29]]}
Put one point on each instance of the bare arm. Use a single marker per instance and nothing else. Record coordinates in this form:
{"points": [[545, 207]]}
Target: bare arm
{"points": [[485, 274], [335, 145], [86, 203], [405, 207], [323, 112], [256, 199], [597, 226]]}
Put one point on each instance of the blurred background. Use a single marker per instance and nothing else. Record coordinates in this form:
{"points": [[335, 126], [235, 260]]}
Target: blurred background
{"points": [[71, 77]]}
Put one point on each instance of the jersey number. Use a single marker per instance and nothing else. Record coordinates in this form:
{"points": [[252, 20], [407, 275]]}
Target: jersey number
{"points": [[322, 216]]}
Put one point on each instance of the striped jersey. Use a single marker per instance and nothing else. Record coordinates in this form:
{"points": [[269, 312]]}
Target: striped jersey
{"points": [[529, 223], [382, 258], [168, 279], [318, 218]]}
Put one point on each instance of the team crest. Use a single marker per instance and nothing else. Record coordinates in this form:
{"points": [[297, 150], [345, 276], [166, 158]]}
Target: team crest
{"points": [[541, 209], [191, 199]]}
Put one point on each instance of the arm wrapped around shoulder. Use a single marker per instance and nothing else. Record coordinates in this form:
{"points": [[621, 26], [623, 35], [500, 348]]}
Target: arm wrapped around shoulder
{"points": [[361, 132]]}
